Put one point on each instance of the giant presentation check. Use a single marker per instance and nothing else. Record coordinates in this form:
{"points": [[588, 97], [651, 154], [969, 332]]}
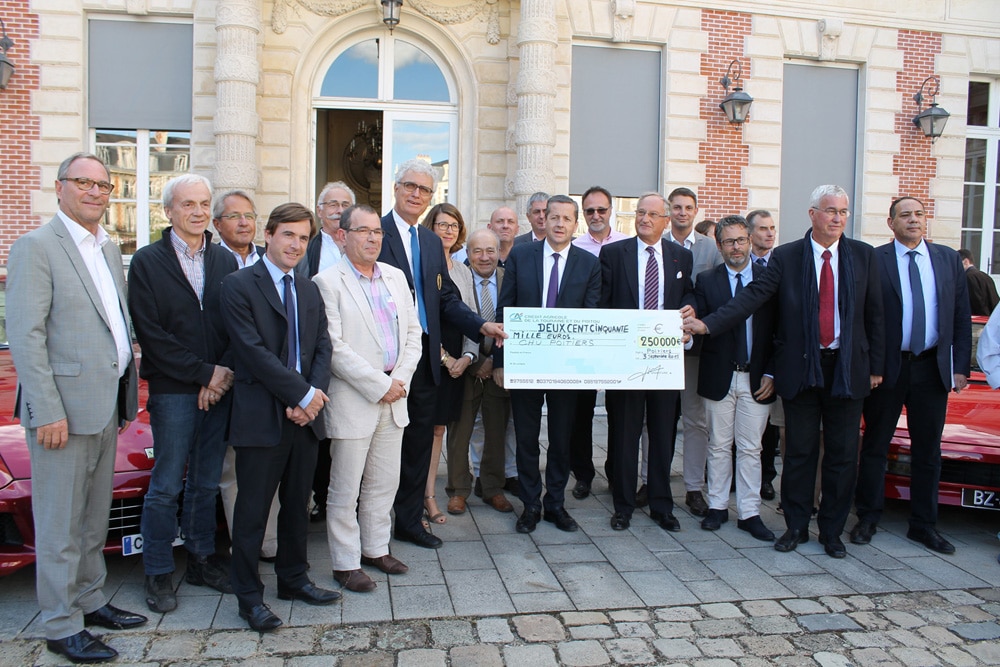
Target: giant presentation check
{"points": [[589, 348]]}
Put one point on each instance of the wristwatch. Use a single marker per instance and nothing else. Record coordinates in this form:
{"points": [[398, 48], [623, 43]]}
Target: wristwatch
{"points": [[444, 358]]}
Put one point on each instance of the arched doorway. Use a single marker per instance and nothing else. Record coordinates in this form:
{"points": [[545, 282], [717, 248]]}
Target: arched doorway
{"points": [[382, 101]]}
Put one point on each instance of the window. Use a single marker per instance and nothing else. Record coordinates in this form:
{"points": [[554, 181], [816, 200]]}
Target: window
{"points": [[981, 200]]}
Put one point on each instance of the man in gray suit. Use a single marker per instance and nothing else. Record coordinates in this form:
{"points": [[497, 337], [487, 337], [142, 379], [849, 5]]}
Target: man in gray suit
{"points": [[536, 218], [69, 338]]}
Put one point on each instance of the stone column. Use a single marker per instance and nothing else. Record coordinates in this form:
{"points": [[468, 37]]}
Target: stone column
{"points": [[535, 132], [237, 73]]}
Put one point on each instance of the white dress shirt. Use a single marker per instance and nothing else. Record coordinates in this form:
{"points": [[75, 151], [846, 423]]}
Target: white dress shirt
{"points": [[928, 287], [643, 260], [547, 260], [818, 260]]}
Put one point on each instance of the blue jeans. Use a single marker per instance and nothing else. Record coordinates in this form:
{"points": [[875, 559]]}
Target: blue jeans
{"points": [[184, 437]]}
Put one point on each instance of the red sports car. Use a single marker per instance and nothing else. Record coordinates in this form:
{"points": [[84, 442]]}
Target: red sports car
{"points": [[970, 445]]}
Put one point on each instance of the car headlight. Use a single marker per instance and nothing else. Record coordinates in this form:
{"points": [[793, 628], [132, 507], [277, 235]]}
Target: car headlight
{"points": [[899, 464]]}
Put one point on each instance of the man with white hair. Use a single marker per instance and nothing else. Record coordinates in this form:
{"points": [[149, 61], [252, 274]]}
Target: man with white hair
{"points": [[324, 251], [174, 298]]}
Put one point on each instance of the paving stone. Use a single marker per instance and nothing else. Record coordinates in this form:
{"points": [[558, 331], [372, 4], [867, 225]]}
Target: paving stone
{"points": [[720, 647], [722, 610], [871, 620], [940, 616], [529, 656], [346, 639], [800, 606], [719, 627], [131, 648], [672, 630], [907, 638], [938, 635], [679, 614], [630, 651], [582, 654], [629, 615], [311, 661], [860, 602], [370, 659], [422, 657], [826, 622], [714, 662], [987, 593], [539, 628], [835, 604], [175, 646], [592, 632], [401, 636], [774, 625], [873, 657], [767, 646], [960, 597], [976, 631], [237, 644], [826, 659], [914, 657], [973, 614], [634, 630], [494, 630], [903, 619], [764, 608], [676, 648], [479, 655], [571, 618], [955, 656], [987, 652], [451, 633], [868, 639], [823, 641], [289, 641]]}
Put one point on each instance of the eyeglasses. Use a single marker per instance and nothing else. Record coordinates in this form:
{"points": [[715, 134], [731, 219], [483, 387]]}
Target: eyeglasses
{"points": [[600, 209], [842, 212], [334, 202], [409, 187], [652, 215], [450, 226], [234, 217], [377, 232], [87, 184], [731, 243]]}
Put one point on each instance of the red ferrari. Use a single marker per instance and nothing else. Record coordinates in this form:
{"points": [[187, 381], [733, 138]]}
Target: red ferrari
{"points": [[970, 445]]}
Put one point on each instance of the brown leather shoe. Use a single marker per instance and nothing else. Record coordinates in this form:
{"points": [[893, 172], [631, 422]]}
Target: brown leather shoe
{"points": [[354, 580], [500, 503], [456, 505], [387, 563]]}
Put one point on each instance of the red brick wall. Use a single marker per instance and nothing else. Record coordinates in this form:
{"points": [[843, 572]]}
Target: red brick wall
{"points": [[914, 164], [723, 152], [18, 130]]}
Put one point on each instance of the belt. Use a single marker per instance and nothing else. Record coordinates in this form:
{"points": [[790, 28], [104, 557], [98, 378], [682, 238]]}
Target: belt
{"points": [[926, 354], [741, 368], [828, 353]]}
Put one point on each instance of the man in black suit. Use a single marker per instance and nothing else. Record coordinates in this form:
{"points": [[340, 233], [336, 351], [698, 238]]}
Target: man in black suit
{"points": [[235, 219], [551, 274], [732, 380], [928, 347], [649, 273], [417, 252], [829, 355], [536, 219], [278, 331], [983, 296]]}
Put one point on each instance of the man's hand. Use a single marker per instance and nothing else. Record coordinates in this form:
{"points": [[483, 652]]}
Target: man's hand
{"points": [[396, 392], [486, 370], [457, 365], [876, 380], [498, 377], [766, 389], [298, 416], [207, 397], [54, 435], [124, 427], [319, 399], [695, 326], [687, 311], [495, 331], [222, 381], [961, 382]]}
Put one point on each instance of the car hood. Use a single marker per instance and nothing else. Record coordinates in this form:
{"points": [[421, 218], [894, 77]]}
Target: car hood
{"points": [[973, 416]]}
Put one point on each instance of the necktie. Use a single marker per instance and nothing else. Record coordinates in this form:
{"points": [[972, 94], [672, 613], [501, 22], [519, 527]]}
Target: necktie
{"points": [[826, 304], [761, 262], [290, 362], [742, 353], [919, 324], [550, 297], [650, 299], [486, 309], [418, 278]]}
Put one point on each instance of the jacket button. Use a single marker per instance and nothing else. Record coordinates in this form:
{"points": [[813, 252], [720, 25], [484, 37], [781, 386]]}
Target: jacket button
{"points": [[114, 364]]}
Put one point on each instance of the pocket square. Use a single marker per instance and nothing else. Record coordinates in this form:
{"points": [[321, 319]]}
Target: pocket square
{"points": [[679, 275]]}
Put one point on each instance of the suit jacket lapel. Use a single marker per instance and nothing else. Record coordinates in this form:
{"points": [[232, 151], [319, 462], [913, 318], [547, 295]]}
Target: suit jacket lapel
{"points": [[395, 245], [267, 288], [890, 267], [360, 300], [941, 271], [66, 240], [538, 253], [571, 262]]}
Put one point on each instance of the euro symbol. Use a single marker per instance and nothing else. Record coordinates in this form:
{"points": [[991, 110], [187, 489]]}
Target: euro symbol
{"points": [[658, 328]]}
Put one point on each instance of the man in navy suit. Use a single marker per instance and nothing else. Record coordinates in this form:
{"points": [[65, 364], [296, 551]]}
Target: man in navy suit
{"points": [[648, 272], [278, 332], [417, 252], [928, 346], [550, 274], [829, 354]]}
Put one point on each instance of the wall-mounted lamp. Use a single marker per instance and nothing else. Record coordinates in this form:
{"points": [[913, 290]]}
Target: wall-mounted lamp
{"points": [[931, 120], [736, 104], [390, 12], [6, 66]]}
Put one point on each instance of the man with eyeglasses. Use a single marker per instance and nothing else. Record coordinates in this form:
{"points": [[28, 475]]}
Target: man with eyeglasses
{"points": [[737, 383], [536, 218], [235, 218], [68, 328], [683, 212], [417, 252], [597, 212], [174, 296], [829, 355]]}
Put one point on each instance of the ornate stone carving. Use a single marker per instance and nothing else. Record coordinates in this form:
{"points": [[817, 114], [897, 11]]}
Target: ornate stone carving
{"points": [[237, 71], [136, 7], [829, 37], [622, 17]]}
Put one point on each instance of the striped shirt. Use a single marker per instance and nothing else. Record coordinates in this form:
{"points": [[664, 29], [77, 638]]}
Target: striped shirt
{"points": [[384, 312], [192, 264]]}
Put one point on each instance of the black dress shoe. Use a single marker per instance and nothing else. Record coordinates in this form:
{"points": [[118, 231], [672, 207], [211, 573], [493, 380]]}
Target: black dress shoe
{"points": [[862, 532], [209, 571], [792, 538], [666, 521], [767, 491], [260, 617], [833, 546], [317, 513], [511, 485], [642, 496], [755, 526], [82, 647], [528, 520], [714, 519], [271, 560], [931, 539], [477, 488], [310, 594], [113, 618], [562, 520], [581, 490], [619, 521], [421, 538]]}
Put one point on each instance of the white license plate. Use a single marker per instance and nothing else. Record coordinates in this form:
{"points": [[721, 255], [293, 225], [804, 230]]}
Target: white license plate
{"points": [[980, 498], [132, 544]]}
